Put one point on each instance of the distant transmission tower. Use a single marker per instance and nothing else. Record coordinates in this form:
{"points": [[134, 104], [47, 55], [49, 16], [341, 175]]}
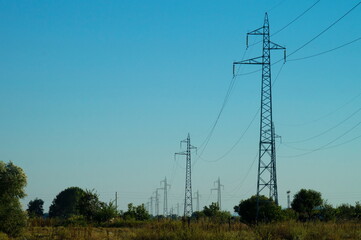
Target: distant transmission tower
{"points": [[165, 190], [288, 199], [197, 199], [171, 211], [157, 201], [188, 207], [267, 157], [151, 206], [218, 189]]}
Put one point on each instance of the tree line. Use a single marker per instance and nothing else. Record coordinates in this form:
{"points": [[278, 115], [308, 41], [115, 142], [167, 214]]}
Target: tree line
{"points": [[83, 207]]}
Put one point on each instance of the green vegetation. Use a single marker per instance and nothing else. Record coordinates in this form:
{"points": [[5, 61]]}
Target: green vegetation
{"points": [[35, 208], [306, 202], [136, 213], [212, 213], [268, 210], [12, 184], [66, 203], [77, 214], [202, 230]]}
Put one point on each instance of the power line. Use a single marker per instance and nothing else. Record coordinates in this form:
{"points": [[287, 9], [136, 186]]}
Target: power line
{"points": [[236, 143], [308, 42], [288, 24], [326, 29], [327, 51], [276, 6], [324, 146], [203, 146], [328, 130], [298, 17], [244, 132], [326, 115], [247, 173]]}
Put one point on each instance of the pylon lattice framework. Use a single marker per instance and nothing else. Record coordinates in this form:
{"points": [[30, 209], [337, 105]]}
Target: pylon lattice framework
{"points": [[165, 191], [267, 178], [188, 205]]}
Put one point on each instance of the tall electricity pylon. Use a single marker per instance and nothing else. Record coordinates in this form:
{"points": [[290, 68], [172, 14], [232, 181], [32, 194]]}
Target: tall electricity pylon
{"points": [[267, 179], [165, 190], [218, 189], [197, 199], [188, 206]]}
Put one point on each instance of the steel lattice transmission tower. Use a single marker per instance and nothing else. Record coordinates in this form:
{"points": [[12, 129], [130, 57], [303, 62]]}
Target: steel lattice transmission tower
{"points": [[267, 179], [165, 191], [218, 189], [151, 206], [157, 201], [188, 206], [197, 199]]}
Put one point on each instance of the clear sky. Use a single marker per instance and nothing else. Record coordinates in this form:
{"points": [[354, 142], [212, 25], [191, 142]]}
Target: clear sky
{"points": [[98, 94]]}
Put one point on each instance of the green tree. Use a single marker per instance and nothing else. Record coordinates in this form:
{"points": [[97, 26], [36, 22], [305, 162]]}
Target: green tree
{"points": [[66, 203], [12, 184], [136, 212], [268, 210], [106, 212], [345, 212], [90, 205], [213, 212], [327, 212], [198, 215], [35, 208], [307, 203]]}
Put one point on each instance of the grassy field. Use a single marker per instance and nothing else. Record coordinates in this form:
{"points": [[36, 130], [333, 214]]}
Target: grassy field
{"points": [[176, 230]]}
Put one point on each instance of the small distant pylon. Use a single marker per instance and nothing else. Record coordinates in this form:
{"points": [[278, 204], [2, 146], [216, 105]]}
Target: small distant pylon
{"points": [[197, 196], [218, 189], [151, 205], [188, 205], [288, 199], [178, 212], [165, 191], [157, 201]]}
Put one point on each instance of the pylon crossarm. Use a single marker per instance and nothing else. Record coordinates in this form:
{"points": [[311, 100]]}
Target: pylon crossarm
{"points": [[180, 153], [258, 31], [256, 60], [275, 46]]}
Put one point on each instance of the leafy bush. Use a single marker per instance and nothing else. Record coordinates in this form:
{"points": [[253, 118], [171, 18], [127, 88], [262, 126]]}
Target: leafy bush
{"points": [[268, 210]]}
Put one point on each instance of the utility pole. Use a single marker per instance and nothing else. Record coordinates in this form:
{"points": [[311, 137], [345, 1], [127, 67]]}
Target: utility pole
{"points": [[165, 190], [218, 189], [266, 179], [197, 198], [188, 206], [177, 209]]}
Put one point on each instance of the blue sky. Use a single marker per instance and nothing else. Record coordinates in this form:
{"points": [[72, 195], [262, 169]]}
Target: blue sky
{"points": [[98, 94]]}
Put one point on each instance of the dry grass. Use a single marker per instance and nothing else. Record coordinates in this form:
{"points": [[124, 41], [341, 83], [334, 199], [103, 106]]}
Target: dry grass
{"points": [[176, 230]]}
